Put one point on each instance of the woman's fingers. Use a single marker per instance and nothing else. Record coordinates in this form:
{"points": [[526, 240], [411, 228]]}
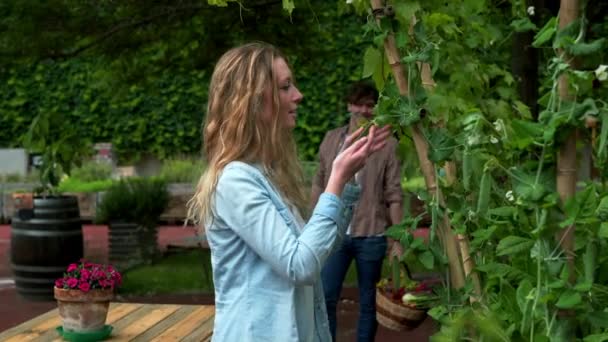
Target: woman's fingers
{"points": [[357, 145], [378, 140], [352, 137]]}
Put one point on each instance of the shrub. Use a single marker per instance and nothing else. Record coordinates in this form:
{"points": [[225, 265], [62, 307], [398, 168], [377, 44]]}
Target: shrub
{"points": [[182, 170], [92, 171], [134, 200]]}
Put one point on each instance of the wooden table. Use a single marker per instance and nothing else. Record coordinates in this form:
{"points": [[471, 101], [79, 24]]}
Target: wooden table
{"points": [[131, 322]]}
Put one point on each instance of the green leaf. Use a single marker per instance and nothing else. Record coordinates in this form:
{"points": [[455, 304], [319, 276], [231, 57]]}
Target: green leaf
{"points": [[512, 245], [405, 11], [581, 49], [604, 132], [598, 319], [596, 338], [525, 133], [441, 146], [526, 186], [569, 299], [395, 232], [438, 312], [603, 232], [427, 259], [219, 3], [523, 25], [545, 33], [371, 59], [289, 5], [583, 204], [524, 291], [498, 270]]}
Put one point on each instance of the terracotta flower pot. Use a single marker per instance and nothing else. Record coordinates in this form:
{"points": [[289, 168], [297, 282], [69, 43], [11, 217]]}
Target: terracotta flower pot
{"points": [[83, 311]]}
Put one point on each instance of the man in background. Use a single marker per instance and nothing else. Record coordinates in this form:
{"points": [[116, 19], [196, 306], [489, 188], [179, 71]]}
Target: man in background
{"points": [[379, 207]]}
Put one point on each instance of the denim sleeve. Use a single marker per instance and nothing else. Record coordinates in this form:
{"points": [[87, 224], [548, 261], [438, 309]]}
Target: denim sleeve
{"points": [[245, 206]]}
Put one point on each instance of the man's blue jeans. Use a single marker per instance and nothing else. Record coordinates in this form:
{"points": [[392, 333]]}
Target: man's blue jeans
{"points": [[368, 253]]}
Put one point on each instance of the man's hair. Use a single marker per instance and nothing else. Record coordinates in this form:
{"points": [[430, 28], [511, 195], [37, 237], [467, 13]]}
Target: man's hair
{"points": [[361, 90]]}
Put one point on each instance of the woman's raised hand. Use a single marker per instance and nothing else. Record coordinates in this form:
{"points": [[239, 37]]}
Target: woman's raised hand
{"points": [[355, 151]]}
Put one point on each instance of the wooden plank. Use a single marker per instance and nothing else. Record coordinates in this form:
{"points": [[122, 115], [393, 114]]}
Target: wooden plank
{"points": [[202, 333], [25, 327], [36, 332], [121, 310], [142, 324], [184, 327], [178, 316]]}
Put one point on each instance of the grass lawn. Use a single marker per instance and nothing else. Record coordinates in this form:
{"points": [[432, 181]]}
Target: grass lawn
{"points": [[190, 272], [186, 272]]}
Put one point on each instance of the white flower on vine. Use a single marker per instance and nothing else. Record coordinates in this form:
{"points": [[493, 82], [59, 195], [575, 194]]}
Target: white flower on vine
{"points": [[499, 125], [348, 2], [493, 139], [473, 140], [530, 10], [509, 196], [601, 72]]}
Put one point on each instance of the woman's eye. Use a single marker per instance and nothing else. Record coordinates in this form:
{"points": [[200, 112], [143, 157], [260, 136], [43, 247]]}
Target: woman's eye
{"points": [[286, 86]]}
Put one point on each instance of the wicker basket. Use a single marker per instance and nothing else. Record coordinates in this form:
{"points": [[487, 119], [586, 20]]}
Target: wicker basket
{"points": [[395, 315]]}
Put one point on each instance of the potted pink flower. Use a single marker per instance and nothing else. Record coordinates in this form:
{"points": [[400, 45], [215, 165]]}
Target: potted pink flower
{"points": [[83, 296]]}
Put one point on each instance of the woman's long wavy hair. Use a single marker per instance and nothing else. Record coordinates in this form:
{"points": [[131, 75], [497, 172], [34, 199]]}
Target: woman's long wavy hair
{"points": [[234, 128]]}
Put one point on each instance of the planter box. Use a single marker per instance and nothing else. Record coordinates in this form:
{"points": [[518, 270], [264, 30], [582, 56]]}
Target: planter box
{"points": [[179, 195]]}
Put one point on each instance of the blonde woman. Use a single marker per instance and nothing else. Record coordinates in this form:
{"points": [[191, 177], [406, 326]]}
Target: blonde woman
{"points": [[266, 260]]}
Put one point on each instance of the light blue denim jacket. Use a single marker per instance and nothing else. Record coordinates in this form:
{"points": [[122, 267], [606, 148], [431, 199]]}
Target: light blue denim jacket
{"points": [[259, 256]]}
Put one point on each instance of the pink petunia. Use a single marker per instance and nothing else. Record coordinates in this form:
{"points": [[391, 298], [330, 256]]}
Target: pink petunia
{"points": [[84, 286], [98, 274], [85, 274], [72, 282], [72, 267], [59, 283]]}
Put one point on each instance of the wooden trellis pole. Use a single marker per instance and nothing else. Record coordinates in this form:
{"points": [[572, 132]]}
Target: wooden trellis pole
{"points": [[446, 235], [566, 158]]}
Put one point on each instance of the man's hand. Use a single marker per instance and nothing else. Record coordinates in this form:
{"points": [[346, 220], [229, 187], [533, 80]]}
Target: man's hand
{"points": [[395, 249]]}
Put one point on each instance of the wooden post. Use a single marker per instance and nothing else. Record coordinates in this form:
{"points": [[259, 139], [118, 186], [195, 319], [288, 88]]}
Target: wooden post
{"points": [[444, 232], [566, 158]]}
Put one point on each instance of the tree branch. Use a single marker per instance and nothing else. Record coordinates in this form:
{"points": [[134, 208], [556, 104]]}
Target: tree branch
{"points": [[127, 24]]}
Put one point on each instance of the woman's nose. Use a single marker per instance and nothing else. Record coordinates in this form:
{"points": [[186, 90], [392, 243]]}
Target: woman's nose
{"points": [[297, 96]]}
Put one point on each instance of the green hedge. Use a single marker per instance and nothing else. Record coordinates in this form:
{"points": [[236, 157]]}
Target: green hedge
{"points": [[162, 114]]}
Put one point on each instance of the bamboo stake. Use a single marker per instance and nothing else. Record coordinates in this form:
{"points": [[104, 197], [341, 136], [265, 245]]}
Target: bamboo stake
{"points": [[467, 261], [450, 169], [566, 159], [445, 233]]}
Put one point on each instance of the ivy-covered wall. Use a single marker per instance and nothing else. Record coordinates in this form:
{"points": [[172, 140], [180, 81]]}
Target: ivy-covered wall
{"points": [[163, 114]]}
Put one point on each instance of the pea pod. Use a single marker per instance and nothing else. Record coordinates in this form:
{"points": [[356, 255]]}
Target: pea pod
{"points": [[590, 261], [396, 275], [484, 193], [602, 209], [467, 160], [434, 221]]}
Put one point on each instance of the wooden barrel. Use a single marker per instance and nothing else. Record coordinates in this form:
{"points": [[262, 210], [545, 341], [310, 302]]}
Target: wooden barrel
{"points": [[131, 244], [44, 241]]}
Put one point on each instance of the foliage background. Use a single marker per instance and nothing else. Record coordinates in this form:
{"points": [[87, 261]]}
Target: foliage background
{"points": [[144, 88]]}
